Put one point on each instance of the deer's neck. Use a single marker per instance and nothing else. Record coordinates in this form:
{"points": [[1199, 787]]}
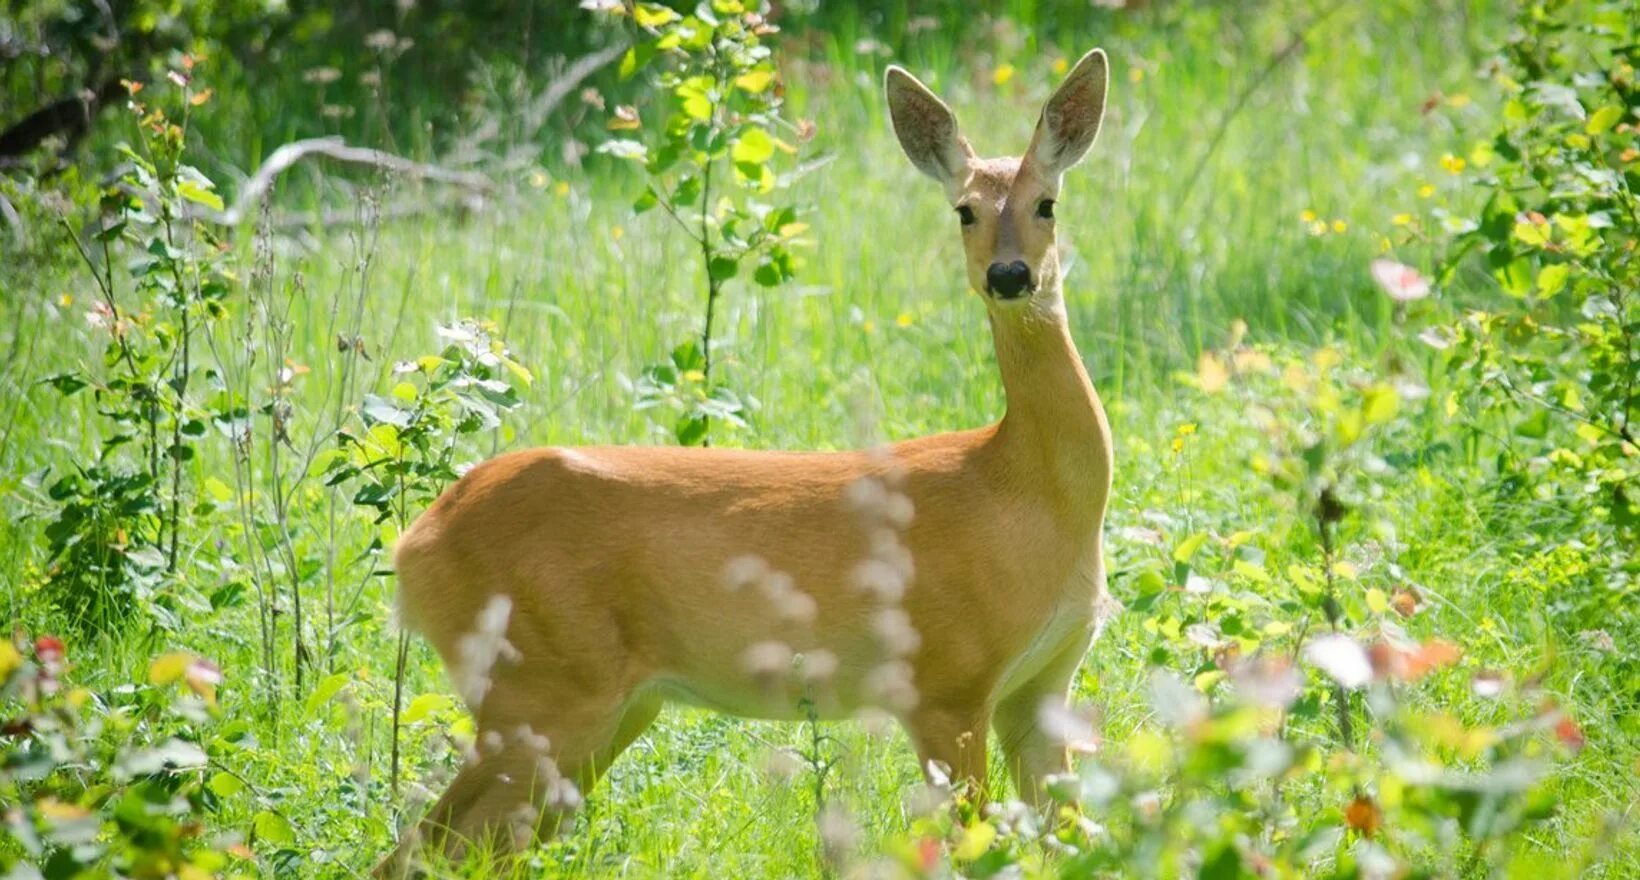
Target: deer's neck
{"points": [[1054, 430]]}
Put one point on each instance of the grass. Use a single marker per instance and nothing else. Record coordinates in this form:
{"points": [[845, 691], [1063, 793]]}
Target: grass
{"points": [[587, 294]]}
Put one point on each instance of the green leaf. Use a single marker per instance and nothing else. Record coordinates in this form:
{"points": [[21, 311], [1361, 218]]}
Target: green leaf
{"points": [[218, 490], [768, 275], [273, 828], [1516, 277], [653, 15], [374, 495], [687, 356], [519, 371], [198, 194], [1223, 864], [65, 383], [225, 785], [425, 705], [686, 192], [1350, 425], [1378, 405], [1603, 119], [775, 220], [635, 59], [697, 106], [723, 268], [1533, 234], [1188, 547], [757, 174], [695, 100], [1535, 426], [326, 460], [755, 81], [328, 687], [754, 147], [691, 430], [645, 201], [1552, 279]]}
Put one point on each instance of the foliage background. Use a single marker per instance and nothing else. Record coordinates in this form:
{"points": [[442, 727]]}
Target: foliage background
{"points": [[1256, 158]]}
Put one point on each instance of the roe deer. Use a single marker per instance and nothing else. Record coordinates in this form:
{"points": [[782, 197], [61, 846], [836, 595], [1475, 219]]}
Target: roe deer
{"points": [[604, 568]]}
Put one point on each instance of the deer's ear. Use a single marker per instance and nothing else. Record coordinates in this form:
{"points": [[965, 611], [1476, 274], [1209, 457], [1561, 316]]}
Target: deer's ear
{"points": [[1070, 120], [927, 129]]}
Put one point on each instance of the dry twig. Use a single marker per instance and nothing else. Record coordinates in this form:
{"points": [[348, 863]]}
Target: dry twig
{"points": [[335, 149]]}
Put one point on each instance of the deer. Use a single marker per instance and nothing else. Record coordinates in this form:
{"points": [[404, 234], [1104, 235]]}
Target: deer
{"points": [[598, 573]]}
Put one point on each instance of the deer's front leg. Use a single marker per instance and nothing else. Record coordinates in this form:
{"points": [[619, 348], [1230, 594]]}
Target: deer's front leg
{"points": [[1033, 754], [954, 738]]}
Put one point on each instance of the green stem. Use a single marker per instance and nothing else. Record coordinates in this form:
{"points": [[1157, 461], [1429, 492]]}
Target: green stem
{"points": [[707, 253], [1346, 725], [179, 388], [398, 704]]}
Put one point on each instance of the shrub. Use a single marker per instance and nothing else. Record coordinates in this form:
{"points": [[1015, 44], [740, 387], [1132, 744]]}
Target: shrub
{"points": [[713, 165], [1553, 339], [119, 517], [111, 784], [1304, 719]]}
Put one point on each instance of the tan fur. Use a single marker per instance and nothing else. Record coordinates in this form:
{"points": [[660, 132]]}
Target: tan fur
{"points": [[614, 559]]}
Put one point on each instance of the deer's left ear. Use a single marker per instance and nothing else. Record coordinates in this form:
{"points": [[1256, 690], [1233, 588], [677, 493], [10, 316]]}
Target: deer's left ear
{"points": [[1070, 120]]}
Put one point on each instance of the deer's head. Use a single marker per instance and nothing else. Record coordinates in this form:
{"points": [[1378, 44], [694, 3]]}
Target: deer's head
{"points": [[1005, 206]]}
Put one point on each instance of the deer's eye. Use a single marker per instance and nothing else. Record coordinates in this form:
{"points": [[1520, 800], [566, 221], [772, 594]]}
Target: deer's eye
{"points": [[1044, 209], [966, 214]]}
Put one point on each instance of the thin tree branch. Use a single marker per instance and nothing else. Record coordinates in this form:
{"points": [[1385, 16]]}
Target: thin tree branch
{"points": [[19, 231], [573, 76], [335, 149], [1257, 82]]}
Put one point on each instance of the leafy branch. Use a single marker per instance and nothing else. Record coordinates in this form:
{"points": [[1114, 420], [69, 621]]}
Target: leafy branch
{"points": [[721, 115]]}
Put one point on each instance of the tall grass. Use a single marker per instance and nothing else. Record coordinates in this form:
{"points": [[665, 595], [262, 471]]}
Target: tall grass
{"points": [[1305, 107]]}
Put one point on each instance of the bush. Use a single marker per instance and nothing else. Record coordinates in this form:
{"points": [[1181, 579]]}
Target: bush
{"points": [[1553, 340], [1306, 717], [111, 784]]}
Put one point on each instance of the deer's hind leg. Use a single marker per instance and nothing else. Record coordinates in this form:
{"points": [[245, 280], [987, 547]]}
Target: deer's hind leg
{"points": [[529, 776], [549, 724]]}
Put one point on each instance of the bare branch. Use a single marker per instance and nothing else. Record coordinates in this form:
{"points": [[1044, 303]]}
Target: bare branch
{"points": [[255, 187], [335, 149], [535, 112], [343, 217], [566, 82], [14, 222]]}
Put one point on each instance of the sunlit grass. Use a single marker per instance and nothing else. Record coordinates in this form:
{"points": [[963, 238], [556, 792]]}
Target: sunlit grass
{"points": [[1276, 231]]}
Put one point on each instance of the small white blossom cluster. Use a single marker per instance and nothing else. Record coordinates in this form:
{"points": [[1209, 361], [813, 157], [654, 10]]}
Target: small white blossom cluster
{"points": [[772, 662], [481, 648], [884, 512], [552, 795]]}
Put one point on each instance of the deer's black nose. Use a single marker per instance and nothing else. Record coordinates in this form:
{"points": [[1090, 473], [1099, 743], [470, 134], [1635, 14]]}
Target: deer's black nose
{"points": [[1008, 280]]}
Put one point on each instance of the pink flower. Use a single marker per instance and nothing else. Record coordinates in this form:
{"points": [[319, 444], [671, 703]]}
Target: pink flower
{"points": [[50, 650], [99, 315], [1400, 281]]}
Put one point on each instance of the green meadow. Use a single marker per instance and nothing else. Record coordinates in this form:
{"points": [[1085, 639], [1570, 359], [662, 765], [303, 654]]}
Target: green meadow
{"points": [[1304, 453]]}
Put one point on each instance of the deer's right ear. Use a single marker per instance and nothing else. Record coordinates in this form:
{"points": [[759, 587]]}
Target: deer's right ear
{"points": [[927, 129]]}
